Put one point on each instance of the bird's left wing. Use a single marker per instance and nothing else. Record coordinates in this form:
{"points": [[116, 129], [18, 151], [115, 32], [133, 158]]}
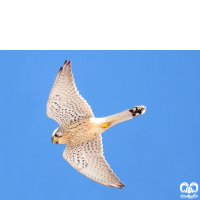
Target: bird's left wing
{"points": [[65, 104], [88, 159]]}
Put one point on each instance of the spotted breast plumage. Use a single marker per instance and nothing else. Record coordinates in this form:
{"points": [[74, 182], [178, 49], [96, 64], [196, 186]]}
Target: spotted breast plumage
{"points": [[80, 130]]}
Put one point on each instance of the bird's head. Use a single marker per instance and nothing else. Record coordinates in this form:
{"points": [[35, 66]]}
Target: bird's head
{"points": [[57, 135]]}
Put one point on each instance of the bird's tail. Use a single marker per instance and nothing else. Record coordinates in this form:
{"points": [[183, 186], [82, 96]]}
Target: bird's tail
{"points": [[125, 115]]}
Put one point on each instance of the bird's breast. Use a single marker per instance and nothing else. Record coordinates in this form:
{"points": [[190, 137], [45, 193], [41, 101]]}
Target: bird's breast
{"points": [[82, 130]]}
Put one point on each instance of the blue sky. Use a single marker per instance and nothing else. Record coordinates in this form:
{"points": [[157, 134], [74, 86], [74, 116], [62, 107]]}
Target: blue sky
{"points": [[151, 154]]}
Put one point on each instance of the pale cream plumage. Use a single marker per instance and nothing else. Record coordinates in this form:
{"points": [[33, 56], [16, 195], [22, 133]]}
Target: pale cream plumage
{"points": [[80, 130]]}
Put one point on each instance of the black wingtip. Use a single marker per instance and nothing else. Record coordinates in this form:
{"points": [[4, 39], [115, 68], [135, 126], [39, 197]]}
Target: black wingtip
{"points": [[121, 186], [67, 62], [60, 70]]}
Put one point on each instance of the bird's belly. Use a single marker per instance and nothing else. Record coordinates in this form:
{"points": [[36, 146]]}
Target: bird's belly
{"points": [[81, 131]]}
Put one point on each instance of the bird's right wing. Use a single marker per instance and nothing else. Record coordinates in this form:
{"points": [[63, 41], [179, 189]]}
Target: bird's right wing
{"points": [[88, 159]]}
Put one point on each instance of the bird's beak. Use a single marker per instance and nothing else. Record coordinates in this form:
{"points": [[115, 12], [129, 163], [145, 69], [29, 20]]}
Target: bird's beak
{"points": [[54, 139]]}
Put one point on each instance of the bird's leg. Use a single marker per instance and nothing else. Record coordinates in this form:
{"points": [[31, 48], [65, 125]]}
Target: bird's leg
{"points": [[105, 125]]}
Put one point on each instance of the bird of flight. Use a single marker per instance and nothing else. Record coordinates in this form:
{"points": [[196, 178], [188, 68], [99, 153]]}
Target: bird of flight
{"points": [[80, 130]]}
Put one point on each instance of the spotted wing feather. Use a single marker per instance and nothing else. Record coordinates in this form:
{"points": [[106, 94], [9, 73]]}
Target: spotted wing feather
{"points": [[65, 104], [88, 159]]}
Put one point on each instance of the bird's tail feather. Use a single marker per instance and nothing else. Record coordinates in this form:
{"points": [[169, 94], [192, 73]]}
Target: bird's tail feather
{"points": [[126, 115]]}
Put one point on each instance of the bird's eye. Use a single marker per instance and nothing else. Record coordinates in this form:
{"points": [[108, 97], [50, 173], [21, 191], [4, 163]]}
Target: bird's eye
{"points": [[58, 136]]}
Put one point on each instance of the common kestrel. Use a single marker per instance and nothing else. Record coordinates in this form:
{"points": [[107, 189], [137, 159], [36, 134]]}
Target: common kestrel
{"points": [[80, 130]]}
